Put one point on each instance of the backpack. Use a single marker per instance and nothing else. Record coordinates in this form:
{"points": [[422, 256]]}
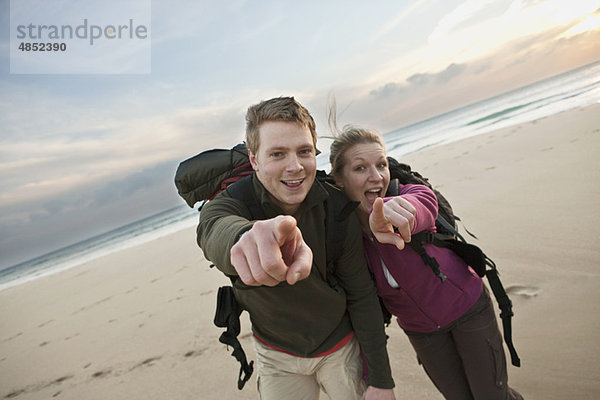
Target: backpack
{"points": [[202, 177], [205, 175], [448, 236]]}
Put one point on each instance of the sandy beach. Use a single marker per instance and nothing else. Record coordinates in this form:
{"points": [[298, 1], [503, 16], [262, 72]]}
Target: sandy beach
{"points": [[137, 324]]}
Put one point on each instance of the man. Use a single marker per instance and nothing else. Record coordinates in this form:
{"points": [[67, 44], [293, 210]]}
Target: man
{"points": [[306, 332]]}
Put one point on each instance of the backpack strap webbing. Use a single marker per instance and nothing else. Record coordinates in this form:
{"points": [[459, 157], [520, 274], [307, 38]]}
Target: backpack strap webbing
{"points": [[228, 316], [477, 260], [506, 312], [228, 310], [416, 243]]}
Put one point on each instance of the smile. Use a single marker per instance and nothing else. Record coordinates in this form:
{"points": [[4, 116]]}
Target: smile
{"points": [[293, 183]]}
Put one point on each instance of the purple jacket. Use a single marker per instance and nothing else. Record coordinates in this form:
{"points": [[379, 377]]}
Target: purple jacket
{"points": [[422, 303]]}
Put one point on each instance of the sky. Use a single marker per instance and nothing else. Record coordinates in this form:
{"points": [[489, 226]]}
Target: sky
{"points": [[81, 154]]}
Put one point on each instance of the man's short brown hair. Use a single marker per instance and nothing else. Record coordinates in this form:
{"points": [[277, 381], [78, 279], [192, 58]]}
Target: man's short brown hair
{"points": [[276, 109]]}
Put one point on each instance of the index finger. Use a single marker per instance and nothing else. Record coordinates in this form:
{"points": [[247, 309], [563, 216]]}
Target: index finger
{"points": [[245, 259], [277, 235], [377, 220]]}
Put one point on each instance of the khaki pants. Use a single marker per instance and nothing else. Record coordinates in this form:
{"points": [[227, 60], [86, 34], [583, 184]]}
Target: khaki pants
{"points": [[282, 376]]}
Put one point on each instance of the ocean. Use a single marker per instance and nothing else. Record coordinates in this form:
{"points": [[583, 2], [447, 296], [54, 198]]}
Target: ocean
{"points": [[576, 88]]}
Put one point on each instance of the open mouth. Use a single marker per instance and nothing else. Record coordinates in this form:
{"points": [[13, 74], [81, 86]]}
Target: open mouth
{"points": [[372, 194], [293, 184]]}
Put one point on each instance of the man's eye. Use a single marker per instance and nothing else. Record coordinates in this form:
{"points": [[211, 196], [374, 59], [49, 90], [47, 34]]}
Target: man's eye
{"points": [[277, 154]]}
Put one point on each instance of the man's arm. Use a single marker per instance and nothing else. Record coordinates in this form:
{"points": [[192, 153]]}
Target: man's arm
{"points": [[222, 221], [261, 252], [363, 307]]}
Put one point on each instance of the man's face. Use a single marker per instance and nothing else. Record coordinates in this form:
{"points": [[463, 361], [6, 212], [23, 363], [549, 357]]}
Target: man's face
{"points": [[285, 162]]}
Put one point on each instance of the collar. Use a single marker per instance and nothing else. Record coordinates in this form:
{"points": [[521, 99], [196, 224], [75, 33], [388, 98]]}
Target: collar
{"points": [[316, 195]]}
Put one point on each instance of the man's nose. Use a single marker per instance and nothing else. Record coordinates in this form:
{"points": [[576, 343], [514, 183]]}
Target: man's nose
{"points": [[294, 163]]}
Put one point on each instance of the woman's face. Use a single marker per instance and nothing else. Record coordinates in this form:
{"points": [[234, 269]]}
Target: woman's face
{"points": [[365, 175]]}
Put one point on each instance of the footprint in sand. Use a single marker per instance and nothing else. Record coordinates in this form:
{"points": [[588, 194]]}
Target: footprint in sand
{"points": [[45, 323], [523, 291], [195, 353], [85, 308], [72, 336], [102, 373], [37, 387], [14, 394], [13, 337], [62, 379], [146, 363]]}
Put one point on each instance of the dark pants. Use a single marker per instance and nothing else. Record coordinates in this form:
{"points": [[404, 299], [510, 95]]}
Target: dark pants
{"points": [[465, 360]]}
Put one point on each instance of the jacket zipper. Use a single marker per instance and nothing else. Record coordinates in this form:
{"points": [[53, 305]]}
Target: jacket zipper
{"points": [[405, 292]]}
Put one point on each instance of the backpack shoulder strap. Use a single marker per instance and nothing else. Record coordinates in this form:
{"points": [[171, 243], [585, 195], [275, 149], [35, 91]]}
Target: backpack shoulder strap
{"points": [[228, 309], [337, 210], [243, 190]]}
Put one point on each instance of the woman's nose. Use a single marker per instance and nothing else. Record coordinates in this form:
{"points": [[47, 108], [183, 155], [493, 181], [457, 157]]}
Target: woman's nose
{"points": [[374, 174]]}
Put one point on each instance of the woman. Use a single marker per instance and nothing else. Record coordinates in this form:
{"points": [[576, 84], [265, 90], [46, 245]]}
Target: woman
{"points": [[450, 324]]}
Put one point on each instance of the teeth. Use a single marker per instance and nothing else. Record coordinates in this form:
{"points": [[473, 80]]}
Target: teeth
{"points": [[293, 182], [373, 191]]}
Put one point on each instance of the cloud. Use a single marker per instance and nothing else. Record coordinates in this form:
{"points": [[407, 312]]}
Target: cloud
{"points": [[419, 80], [124, 188], [35, 227], [398, 20], [468, 14], [44, 161], [388, 89]]}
